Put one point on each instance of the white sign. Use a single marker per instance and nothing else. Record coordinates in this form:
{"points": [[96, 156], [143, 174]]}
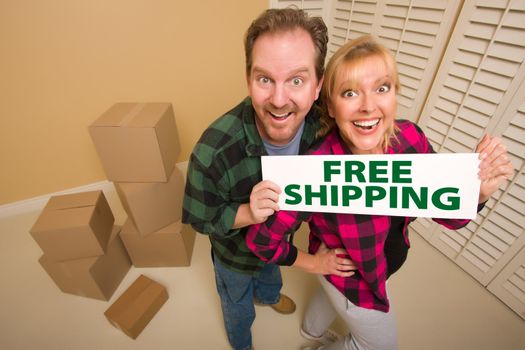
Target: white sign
{"points": [[417, 185]]}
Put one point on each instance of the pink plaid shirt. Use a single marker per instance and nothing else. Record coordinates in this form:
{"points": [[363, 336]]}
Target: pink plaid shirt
{"points": [[362, 236]]}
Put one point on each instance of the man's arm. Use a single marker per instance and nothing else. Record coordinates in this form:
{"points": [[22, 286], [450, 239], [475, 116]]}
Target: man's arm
{"points": [[205, 207], [209, 210]]}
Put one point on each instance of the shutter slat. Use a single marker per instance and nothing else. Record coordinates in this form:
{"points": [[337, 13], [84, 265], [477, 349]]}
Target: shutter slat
{"points": [[468, 59], [514, 19], [513, 289], [487, 248], [511, 215], [475, 45], [442, 116], [475, 117], [458, 84], [506, 52], [490, 16], [496, 81], [521, 272], [480, 30], [467, 141], [487, 93], [451, 243], [492, 239], [510, 36], [477, 104], [462, 71], [478, 262], [428, 28], [481, 254], [498, 66], [502, 227]]}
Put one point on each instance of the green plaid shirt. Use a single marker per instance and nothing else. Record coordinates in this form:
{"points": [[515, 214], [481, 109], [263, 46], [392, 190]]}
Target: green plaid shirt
{"points": [[224, 166]]}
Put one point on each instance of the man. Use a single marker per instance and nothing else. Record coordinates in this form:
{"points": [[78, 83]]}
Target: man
{"points": [[285, 52]]}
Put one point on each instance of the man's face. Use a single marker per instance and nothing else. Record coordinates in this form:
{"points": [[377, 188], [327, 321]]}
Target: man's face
{"points": [[282, 83]]}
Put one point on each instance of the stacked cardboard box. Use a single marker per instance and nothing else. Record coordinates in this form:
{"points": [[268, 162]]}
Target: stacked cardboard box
{"points": [[83, 252], [169, 246], [138, 146]]}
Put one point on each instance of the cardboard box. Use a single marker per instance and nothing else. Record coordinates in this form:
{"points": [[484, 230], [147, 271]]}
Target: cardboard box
{"points": [[74, 226], [137, 142], [153, 205], [135, 308], [96, 277], [169, 246]]}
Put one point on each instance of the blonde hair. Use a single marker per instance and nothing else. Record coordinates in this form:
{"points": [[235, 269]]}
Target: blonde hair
{"points": [[349, 58]]}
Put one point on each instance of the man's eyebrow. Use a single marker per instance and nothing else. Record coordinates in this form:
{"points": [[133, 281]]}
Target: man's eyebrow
{"points": [[256, 69]]}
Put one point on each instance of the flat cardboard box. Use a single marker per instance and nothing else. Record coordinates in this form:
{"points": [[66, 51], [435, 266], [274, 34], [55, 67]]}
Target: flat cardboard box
{"points": [[96, 277], [74, 226], [135, 308], [153, 205], [167, 247], [137, 142]]}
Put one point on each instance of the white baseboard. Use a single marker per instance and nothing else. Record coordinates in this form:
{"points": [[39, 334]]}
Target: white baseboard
{"points": [[37, 203]]}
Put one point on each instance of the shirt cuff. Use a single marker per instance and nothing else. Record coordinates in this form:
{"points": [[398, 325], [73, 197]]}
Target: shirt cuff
{"points": [[227, 218], [481, 205], [289, 260]]}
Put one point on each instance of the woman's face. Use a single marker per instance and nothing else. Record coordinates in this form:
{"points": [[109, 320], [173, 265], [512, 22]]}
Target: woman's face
{"points": [[363, 104]]}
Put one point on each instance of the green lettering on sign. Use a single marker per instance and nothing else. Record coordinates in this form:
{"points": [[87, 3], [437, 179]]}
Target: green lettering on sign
{"points": [[290, 192], [452, 201]]}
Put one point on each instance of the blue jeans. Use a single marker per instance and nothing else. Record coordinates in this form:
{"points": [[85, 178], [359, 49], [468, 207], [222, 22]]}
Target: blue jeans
{"points": [[237, 291]]}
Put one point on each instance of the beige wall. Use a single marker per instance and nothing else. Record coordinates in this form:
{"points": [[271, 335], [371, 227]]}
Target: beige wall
{"points": [[64, 62]]}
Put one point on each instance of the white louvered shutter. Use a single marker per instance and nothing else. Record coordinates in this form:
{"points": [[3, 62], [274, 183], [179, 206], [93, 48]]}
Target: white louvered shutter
{"points": [[480, 88], [349, 20], [509, 285]]}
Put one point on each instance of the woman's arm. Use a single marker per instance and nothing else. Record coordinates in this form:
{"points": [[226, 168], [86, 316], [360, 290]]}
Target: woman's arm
{"points": [[325, 262], [269, 242]]}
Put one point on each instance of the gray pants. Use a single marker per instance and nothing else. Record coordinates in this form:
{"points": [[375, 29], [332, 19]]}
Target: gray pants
{"points": [[369, 329]]}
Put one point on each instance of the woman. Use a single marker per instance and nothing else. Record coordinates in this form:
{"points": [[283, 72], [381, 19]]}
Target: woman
{"points": [[359, 95]]}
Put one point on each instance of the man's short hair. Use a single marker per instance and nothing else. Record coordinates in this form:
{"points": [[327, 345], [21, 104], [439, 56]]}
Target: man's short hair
{"points": [[282, 20]]}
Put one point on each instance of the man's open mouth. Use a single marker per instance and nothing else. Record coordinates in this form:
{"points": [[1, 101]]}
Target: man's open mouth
{"points": [[280, 116]]}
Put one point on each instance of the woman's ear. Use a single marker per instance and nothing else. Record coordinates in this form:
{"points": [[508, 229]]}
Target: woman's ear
{"points": [[331, 113]]}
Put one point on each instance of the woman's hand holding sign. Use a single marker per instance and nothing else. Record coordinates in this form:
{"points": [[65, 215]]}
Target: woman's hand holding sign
{"points": [[495, 166]]}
